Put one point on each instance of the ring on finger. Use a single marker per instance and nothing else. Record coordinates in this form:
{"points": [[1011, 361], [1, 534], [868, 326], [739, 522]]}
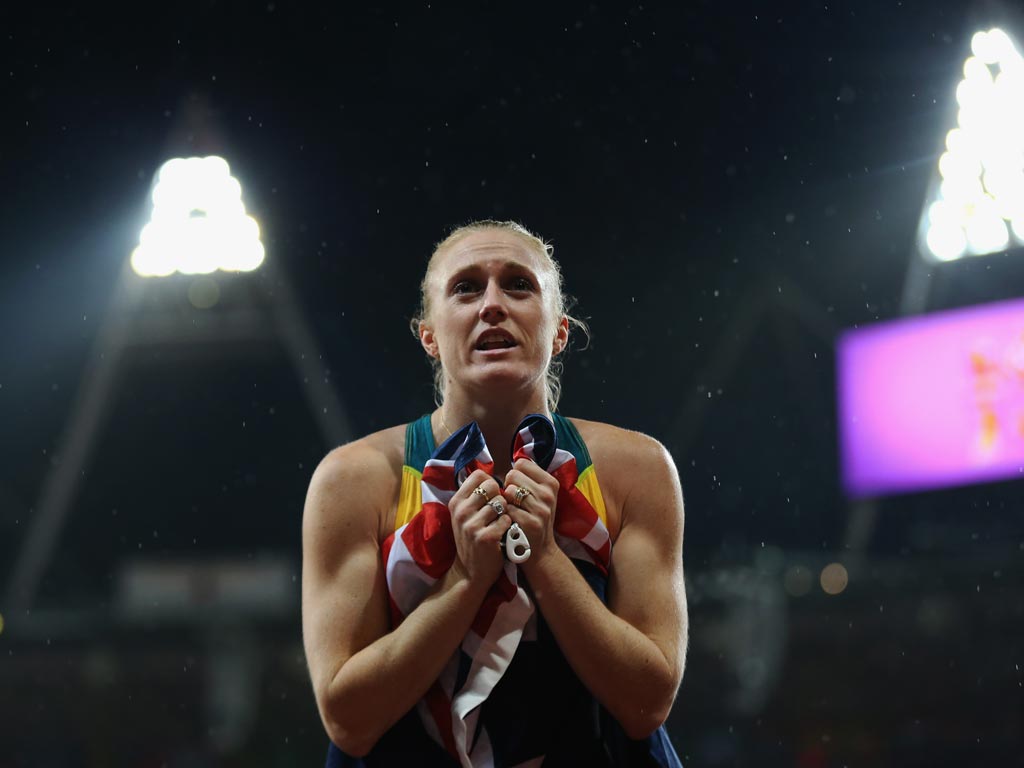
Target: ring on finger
{"points": [[479, 490], [499, 508], [521, 493]]}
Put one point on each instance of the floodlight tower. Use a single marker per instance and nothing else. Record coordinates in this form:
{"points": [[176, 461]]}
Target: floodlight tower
{"points": [[198, 277], [975, 202]]}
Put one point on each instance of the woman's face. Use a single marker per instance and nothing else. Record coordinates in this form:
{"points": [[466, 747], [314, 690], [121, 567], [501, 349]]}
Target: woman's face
{"points": [[492, 318]]}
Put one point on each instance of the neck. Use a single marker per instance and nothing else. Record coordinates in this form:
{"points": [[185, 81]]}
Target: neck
{"points": [[497, 420]]}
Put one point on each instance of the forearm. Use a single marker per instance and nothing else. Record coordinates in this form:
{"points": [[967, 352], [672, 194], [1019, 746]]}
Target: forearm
{"points": [[624, 668], [379, 684]]}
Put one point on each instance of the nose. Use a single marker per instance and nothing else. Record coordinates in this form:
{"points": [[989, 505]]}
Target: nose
{"points": [[492, 307]]}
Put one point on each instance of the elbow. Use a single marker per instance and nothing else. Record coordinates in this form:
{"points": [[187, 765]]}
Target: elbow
{"points": [[652, 710], [649, 715], [643, 724], [349, 740], [344, 728]]}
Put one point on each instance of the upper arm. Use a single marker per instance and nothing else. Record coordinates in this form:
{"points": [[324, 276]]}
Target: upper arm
{"points": [[344, 598], [646, 585]]}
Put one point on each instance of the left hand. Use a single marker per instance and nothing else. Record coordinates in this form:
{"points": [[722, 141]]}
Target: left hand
{"points": [[536, 512]]}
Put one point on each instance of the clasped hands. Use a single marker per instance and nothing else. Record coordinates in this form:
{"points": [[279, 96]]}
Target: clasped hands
{"points": [[491, 522]]}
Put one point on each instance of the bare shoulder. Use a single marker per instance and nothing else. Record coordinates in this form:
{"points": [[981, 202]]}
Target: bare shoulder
{"points": [[377, 452], [607, 439], [356, 484], [629, 464]]}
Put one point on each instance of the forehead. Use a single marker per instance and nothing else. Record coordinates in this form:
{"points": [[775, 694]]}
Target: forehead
{"points": [[488, 248]]}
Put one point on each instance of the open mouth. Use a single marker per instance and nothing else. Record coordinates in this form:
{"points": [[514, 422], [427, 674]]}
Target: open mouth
{"points": [[494, 340], [495, 344]]}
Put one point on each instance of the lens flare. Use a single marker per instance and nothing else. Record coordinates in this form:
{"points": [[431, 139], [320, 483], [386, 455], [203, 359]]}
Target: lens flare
{"points": [[198, 224]]}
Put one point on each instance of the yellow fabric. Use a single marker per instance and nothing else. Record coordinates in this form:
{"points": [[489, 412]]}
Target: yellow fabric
{"points": [[587, 484], [410, 499]]}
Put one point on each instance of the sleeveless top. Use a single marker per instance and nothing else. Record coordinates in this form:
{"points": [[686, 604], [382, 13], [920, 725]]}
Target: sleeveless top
{"points": [[539, 707]]}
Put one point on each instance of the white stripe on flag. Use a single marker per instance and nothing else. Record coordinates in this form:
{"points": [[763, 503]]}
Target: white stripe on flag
{"points": [[597, 537], [560, 458], [407, 582], [573, 548], [430, 493]]}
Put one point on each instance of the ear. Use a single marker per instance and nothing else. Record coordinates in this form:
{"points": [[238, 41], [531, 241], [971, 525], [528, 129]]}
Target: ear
{"points": [[561, 336], [427, 340]]}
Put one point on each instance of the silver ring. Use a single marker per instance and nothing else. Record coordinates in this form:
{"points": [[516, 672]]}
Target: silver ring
{"points": [[499, 508]]}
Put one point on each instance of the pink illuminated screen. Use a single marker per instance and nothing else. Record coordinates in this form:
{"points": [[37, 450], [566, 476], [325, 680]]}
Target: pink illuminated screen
{"points": [[933, 401]]}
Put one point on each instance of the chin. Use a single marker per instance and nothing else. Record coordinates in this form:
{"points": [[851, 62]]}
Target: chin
{"points": [[507, 378]]}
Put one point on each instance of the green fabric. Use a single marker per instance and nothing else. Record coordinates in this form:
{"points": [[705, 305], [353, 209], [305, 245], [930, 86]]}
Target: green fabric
{"points": [[569, 440], [419, 442]]}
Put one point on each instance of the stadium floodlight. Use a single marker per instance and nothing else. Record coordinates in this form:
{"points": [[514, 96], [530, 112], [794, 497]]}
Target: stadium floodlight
{"points": [[978, 206], [198, 223]]}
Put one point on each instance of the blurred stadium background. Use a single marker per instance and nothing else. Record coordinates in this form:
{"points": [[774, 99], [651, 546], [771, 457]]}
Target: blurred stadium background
{"points": [[730, 191]]}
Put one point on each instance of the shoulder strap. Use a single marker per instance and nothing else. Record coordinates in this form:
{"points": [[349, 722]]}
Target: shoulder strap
{"points": [[569, 439], [419, 442]]}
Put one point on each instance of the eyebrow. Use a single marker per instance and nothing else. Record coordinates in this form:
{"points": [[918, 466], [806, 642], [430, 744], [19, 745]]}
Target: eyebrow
{"points": [[510, 265]]}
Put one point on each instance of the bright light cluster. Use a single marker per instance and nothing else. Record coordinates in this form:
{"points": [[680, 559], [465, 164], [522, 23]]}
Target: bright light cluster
{"points": [[981, 196], [198, 224]]}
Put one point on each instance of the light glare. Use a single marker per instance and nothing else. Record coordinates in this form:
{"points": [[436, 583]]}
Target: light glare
{"points": [[946, 241], [986, 231], [981, 195], [834, 578], [198, 223], [976, 69]]}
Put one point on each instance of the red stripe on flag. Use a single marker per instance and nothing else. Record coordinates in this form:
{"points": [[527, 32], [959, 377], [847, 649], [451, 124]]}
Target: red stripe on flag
{"points": [[430, 541], [575, 517], [440, 477], [566, 475]]}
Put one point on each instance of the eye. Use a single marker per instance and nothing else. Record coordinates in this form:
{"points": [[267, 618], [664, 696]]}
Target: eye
{"points": [[521, 284], [464, 286]]}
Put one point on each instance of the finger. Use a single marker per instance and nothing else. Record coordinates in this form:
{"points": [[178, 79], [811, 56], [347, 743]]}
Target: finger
{"points": [[469, 506], [525, 468], [517, 478], [483, 481], [495, 531], [492, 490], [469, 484], [518, 495], [478, 478], [530, 468], [502, 523], [484, 493], [488, 513], [545, 489], [516, 515]]}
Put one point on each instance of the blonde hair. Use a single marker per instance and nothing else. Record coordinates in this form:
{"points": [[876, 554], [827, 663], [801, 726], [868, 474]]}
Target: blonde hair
{"points": [[561, 303]]}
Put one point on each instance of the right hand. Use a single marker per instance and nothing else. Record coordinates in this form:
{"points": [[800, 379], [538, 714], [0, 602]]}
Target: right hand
{"points": [[478, 529]]}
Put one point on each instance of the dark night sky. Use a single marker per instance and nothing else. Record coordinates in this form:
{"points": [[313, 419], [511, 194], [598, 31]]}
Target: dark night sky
{"points": [[727, 186], [685, 162]]}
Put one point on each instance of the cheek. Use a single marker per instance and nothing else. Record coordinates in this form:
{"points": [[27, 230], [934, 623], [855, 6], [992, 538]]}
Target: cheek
{"points": [[446, 332], [551, 320]]}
